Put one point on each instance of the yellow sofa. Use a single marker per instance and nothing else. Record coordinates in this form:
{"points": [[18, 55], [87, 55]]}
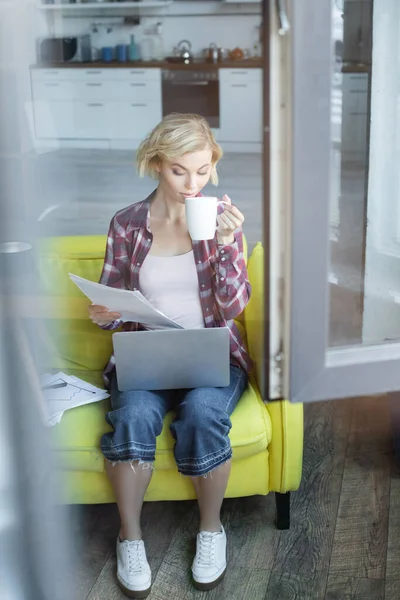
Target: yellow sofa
{"points": [[267, 439]]}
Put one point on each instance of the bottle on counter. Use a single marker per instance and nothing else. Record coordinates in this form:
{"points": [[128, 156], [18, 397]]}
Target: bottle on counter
{"points": [[147, 48], [134, 51], [158, 43]]}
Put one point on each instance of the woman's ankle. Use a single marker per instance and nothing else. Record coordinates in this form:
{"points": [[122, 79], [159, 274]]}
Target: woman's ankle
{"points": [[211, 526], [130, 534]]}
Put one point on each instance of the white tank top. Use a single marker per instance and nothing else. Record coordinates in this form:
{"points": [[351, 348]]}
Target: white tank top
{"points": [[171, 284]]}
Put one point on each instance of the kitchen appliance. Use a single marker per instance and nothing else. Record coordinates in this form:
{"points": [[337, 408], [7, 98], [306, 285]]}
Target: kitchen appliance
{"points": [[211, 53], [191, 91], [214, 54], [184, 51], [64, 49]]}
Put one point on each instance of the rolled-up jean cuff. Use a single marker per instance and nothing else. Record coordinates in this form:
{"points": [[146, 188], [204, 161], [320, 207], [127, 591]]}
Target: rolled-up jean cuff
{"points": [[128, 453], [197, 468]]}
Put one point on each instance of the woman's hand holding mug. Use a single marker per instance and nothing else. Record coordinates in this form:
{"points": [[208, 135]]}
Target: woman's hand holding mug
{"points": [[228, 221], [203, 221], [100, 315]]}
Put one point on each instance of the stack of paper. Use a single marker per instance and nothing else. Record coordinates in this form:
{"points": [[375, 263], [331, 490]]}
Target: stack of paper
{"points": [[63, 392], [132, 305]]}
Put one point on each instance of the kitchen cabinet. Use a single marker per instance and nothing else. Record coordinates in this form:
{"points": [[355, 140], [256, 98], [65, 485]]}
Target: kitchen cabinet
{"points": [[355, 115], [125, 104], [96, 104], [241, 105], [91, 120], [132, 121], [54, 120]]}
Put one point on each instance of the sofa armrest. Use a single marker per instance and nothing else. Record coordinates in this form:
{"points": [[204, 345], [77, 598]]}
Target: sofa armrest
{"points": [[286, 447]]}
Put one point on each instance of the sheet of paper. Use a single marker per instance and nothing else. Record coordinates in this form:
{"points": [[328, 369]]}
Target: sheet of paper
{"points": [[132, 306], [77, 392]]}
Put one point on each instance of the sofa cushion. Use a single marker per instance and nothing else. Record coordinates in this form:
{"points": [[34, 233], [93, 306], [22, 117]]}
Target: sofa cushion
{"points": [[76, 439]]}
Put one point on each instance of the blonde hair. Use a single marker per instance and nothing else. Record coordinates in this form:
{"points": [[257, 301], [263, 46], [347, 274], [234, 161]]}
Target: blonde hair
{"points": [[176, 135]]}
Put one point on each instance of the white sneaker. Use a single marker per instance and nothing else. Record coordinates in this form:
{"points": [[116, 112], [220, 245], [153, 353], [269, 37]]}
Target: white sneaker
{"points": [[209, 564], [133, 570]]}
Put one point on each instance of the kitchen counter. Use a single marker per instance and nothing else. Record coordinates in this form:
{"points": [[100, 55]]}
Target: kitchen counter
{"points": [[356, 68], [249, 63]]}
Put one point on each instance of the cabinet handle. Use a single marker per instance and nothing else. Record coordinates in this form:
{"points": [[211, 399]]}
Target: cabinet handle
{"points": [[50, 72], [190, 83], [95, 104], [137, 72], [138, 84], [239, 85], [51, 84], [358, 114], [94, 84], [93, 72], [235, 72], [284, 25], [138, 104]]}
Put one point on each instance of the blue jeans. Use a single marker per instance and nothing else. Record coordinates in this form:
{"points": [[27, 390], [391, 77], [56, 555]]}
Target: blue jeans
{"points": [[200, 429]]}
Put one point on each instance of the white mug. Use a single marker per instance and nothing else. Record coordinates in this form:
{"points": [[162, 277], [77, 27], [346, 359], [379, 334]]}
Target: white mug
{"points": [[201, 216]]}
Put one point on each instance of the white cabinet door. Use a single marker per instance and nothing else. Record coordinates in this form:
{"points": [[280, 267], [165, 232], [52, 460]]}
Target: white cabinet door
{"points": [[133, 120], [241, 112], [240, 107], [52, 90], [355, 113], [54, 120], [92, 120]]}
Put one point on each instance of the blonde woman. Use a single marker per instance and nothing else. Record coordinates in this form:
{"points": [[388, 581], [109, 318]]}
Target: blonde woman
{"points": [[198, 284]]}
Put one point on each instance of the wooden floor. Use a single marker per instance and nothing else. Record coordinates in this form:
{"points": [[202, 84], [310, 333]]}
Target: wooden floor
{"points": [[344, 542]]}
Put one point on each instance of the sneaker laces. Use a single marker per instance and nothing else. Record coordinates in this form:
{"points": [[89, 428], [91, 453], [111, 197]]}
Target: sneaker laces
{"points": [[135, 556], [206, 548]]}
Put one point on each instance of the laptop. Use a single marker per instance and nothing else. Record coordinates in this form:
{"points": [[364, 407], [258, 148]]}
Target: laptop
{"points": [[172, 359]]}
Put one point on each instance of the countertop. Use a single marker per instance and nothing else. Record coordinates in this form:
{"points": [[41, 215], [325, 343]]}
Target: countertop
{"points": [[356, 68], [249, 63]]}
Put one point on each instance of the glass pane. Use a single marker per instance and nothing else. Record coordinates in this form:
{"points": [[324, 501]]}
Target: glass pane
{"points": [[365, 215], [82, 83]]}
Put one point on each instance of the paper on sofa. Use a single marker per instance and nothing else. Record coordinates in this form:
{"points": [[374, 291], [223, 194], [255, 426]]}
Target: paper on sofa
{"points": [[74, 392]]}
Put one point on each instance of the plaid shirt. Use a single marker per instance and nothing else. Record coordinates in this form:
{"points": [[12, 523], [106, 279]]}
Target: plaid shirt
{"points": [[223, 283]]}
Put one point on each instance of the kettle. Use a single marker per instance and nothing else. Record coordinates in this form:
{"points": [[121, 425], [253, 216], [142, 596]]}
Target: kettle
{"points": [[183, 49]]}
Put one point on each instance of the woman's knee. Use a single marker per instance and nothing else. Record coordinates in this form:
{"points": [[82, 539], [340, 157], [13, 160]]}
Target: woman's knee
{"points": [[137, 421], [202, 418]]}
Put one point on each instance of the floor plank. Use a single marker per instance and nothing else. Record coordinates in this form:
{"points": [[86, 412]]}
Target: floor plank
{"points": [[97, 545], [302, 559], [360, 542], [253, 537], [392, 589], [393, 549], [352, 588]]}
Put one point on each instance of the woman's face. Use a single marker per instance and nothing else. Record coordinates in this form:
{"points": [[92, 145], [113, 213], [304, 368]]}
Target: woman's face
{"points": [[187, 175]]}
